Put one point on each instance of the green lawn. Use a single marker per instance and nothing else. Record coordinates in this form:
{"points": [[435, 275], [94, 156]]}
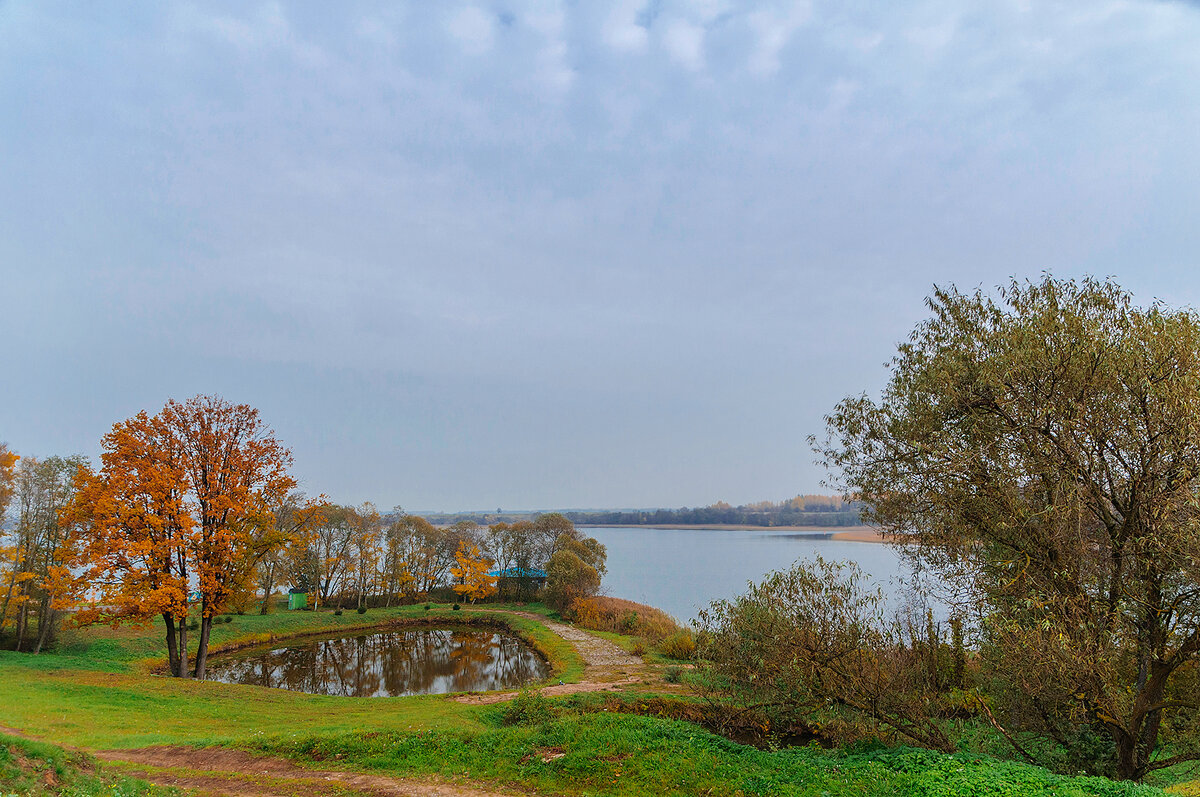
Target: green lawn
{"points": [[99, 690]]}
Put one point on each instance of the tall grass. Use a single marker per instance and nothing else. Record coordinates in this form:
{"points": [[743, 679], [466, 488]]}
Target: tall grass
{"points": [[620, 616]]}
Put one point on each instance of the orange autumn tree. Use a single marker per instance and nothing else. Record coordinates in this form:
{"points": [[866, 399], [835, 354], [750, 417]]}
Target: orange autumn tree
{"points": [[8, 476], [179, 503], [133, 528], [471, 571]]}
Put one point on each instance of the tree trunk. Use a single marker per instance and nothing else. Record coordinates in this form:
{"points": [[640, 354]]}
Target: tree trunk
{"points": [[12, 581], [1135, 744], [202, 648], [172, 650], [45, 626], [22, 618], [269, 588], [182, 656]]}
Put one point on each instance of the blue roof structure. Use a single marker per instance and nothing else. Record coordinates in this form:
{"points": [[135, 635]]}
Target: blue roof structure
{"points": [[518, 572]]}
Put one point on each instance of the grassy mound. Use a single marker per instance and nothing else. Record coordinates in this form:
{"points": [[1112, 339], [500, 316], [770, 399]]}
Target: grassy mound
{"points": [[34, 769]]}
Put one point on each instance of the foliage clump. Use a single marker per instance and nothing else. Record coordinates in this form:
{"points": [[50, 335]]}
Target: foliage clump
{"points": [[807, 649], [680, 646], [529, 707]]}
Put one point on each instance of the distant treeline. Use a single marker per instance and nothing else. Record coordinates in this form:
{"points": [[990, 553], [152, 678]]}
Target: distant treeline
{"points": [[803, 510]]}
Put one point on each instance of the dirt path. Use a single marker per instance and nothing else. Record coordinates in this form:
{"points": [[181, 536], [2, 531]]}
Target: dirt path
{"points": [[594, 651], [220, 770], [223, 771], [607, 667]]}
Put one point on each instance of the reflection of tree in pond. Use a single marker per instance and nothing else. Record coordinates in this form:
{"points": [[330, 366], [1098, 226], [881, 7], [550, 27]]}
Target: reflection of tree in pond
{"points": [[470, 658], [403, 662]]}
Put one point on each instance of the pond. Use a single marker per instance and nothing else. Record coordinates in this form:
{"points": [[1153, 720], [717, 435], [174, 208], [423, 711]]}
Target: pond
{"points": [[387, 663]]}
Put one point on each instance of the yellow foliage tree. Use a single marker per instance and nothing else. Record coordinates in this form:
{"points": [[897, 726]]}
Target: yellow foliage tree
{"points": [[471, 571]]}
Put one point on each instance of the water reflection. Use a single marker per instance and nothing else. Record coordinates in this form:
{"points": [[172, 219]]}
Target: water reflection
{"points": [[409, 661]]}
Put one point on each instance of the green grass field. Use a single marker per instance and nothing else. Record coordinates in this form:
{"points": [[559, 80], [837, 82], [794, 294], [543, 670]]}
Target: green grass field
{"points": [[98, 690]]}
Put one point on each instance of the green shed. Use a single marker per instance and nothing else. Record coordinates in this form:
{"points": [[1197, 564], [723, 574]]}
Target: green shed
{"points": [[297, 599]]}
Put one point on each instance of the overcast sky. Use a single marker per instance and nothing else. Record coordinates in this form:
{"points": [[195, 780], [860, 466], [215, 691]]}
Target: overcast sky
{"points": [[548, 254]]}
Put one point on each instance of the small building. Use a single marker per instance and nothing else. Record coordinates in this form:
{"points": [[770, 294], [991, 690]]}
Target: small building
{"points": [[522, 577], [297, 599]]}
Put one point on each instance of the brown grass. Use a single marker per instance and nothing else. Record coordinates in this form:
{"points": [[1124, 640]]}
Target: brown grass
{"points": [[623, 617]]}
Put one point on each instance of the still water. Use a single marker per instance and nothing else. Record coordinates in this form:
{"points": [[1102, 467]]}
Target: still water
{"points": [[406, 661], [681, 571]]}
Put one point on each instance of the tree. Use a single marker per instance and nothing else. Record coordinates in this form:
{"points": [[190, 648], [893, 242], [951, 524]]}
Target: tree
{"points": [[1041, 451], [574, 571], [181, 498], [290, 535], [365, 546], [471, 571], [39, 578], [8, 461], [133, 528]]}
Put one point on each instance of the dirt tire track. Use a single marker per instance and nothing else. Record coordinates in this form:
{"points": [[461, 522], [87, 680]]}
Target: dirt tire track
{"points": [[236, 773]]}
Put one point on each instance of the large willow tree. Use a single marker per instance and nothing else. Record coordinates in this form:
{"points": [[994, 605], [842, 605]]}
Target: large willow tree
{"points": [[1042, 449]]}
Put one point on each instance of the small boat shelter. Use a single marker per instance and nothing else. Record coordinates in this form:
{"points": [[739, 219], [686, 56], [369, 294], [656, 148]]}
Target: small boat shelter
{"points": [[530, 576]]}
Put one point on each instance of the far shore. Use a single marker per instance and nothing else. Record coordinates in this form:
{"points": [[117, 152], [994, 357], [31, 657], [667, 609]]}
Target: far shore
{"points": [[840, 533]]}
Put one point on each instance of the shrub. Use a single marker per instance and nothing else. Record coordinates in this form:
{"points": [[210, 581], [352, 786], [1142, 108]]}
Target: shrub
{"points": [[193, 625], [337, 612], [228, 618], [673, 674], [362, 609], [601, 613], [427, 607], [639, 647], [529, 707], [456, 607], [681, 646], [814, 636]]}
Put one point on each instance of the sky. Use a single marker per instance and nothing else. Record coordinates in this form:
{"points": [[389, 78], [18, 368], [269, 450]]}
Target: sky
{"points": [[478, 255]]}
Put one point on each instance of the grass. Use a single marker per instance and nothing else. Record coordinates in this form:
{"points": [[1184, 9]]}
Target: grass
{"points": [[615, 754], [98, 690], [35, 769]]}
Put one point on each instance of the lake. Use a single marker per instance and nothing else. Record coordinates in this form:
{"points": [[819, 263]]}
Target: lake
{"points": [[388, 663], [683, 570]]}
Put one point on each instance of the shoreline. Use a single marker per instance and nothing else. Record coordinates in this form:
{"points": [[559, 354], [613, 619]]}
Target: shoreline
{"points": [[840, 533]]}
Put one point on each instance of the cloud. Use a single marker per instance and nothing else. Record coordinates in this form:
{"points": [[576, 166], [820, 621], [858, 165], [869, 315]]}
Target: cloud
{"points": [[549, 19], [267, 27], [684, 42], [604, 195], [474, 30], [773, 30], [932, 38], [621, 30]]}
